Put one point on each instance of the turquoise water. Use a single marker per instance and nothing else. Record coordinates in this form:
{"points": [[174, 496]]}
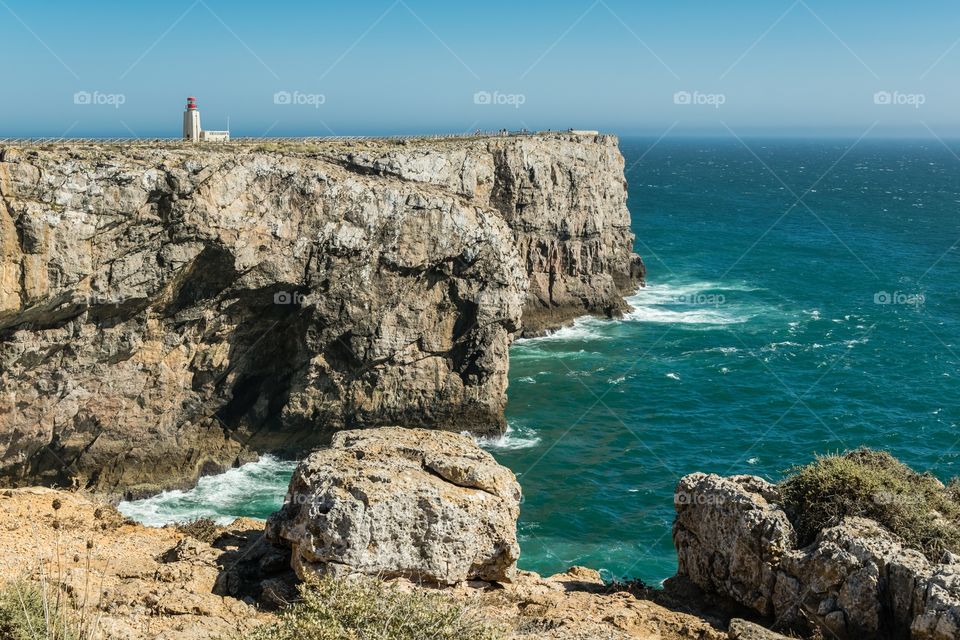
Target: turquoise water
{"points": [[769, 332]]}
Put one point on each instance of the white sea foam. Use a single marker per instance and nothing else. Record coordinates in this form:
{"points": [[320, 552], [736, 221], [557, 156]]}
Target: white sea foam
{"points": [[516, 437], [694, 303], [773, 346], [662, 303], [661, 315], [673, 376], [724, 350], [221, 497], [585, 328]]}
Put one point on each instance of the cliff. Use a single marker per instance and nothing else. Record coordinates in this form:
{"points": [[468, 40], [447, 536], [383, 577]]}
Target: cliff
{"points": [[169, 311]]}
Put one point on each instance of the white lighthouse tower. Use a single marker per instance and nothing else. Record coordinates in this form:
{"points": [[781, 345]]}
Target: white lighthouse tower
{"points": [[191, 121]]}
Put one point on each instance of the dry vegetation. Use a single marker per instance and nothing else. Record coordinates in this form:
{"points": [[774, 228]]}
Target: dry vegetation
{"points": [[367, 608], [873, 484]]}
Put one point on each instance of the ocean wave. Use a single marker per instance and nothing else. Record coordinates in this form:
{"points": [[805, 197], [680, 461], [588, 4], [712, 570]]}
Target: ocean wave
{"points": [[223, 497], [695, 303], [515, 437], [665, 292], [584, 328], [662, 315], [774, 346]]}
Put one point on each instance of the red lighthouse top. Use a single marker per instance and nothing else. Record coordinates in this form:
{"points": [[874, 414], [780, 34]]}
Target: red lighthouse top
{"points": [[191, 103]]}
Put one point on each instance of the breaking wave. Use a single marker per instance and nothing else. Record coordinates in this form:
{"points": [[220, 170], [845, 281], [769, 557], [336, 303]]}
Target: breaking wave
{"points": [[252, 490]]}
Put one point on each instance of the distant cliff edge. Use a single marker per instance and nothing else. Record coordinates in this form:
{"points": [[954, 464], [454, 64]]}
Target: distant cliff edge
{"points": [[168, 311]]}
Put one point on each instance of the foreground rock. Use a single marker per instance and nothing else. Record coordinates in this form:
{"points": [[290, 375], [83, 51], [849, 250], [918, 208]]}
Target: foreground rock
{"points": [[431, 506], [856, 580], [167, 312]]}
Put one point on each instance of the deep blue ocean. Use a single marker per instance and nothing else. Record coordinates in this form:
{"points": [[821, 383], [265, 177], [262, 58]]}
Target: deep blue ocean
{"points": [[802, 298]]}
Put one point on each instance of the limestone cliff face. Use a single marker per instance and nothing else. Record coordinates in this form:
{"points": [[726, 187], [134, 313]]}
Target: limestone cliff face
{"points": [[566, 203], [168, 312]]}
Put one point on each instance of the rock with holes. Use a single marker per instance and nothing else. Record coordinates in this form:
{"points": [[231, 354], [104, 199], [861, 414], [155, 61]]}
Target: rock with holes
{"points": [[428, 505]]}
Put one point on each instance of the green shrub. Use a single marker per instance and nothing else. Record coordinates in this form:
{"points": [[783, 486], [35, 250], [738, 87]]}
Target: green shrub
{"points": [[875, 485], [363, 608], [28, 613], [21, 612]]}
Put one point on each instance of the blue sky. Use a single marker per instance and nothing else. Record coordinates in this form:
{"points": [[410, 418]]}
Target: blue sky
{"points": [[395, 66]]}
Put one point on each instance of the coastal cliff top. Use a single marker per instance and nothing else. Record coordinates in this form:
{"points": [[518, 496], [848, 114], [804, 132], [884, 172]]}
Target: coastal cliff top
{"points": [[306, 144]]}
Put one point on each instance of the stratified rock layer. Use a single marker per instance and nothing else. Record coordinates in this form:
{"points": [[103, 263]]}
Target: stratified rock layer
{"points": [[856, 580], [170, 311], [426, 505]]}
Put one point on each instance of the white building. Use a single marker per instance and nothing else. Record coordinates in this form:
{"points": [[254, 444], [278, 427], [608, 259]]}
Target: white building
{"points": [[215, 136], [192, 132]]}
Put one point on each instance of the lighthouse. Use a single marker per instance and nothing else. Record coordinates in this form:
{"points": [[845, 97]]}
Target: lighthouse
{"points": [[192, 132], [191, 121]]}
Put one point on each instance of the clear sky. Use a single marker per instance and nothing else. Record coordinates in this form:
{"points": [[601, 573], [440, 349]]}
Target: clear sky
{"points": [[396, 66]]}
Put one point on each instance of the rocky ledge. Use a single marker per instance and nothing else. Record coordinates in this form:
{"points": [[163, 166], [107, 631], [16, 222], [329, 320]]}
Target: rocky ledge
{"points": [[855, 581], [167, 312]]}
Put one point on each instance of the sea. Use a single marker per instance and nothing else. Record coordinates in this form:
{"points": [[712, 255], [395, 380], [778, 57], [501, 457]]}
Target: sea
{"points": [[802, 298]]}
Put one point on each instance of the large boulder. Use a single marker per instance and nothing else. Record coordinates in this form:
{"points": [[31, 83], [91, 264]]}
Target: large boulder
{"points": [[427, 505], [856, 580]]}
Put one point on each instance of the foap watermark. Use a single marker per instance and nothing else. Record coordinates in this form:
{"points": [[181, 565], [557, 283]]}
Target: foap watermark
{"points": [[299, 99], [496, 98], [714, 299], [288, 297], [701, 499], [100, 300], [899, 297], [698, 98], [99, 99], [899, 99], [899, 499]]}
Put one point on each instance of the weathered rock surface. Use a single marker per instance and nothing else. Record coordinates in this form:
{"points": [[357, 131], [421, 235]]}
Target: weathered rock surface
{"points": [[572, 231], [856, 580], [426, 505], [729, 538], [169, 312]]}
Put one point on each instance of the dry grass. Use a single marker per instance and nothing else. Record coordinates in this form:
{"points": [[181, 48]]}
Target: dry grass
{"points": [[873, 484], [369, 609], [47, 608]]}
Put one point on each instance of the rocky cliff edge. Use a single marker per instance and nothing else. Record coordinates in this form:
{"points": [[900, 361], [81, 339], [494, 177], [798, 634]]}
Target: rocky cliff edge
{"points": [[170, 311]]}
